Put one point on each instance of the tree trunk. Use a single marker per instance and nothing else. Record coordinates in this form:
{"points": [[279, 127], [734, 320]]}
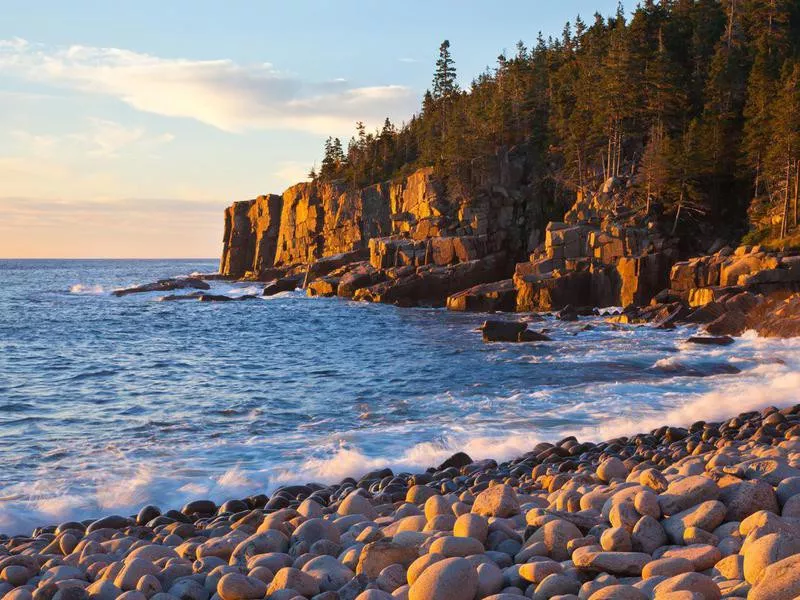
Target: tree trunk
{"points": [[758, 175], [785, 221], [796, 187], [677, 213], [603, 162], [730, 22]]}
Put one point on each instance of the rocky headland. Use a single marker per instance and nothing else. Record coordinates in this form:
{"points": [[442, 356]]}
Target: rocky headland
{"points": [[414, 242], [705, 512]]}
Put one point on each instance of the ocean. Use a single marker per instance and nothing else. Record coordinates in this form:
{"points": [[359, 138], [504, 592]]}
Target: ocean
{"points": [[107, 404]]}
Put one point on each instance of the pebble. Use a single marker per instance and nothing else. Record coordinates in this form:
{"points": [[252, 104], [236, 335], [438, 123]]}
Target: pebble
{"points": [[701, 512], [472, 526], [695, 583], [497, 501], [448, 579], [780, 580], [768, 550]]}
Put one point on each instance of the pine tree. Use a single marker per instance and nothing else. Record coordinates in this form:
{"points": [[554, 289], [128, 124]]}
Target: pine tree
{"points": [[337, 153], [687, 167], [328, 168], [785, 148], [688, 101], [768, 26], [722, 119], [444, 78]]}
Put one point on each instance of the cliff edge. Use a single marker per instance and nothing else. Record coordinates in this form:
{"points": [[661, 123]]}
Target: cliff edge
{"points": [[418, 241]]}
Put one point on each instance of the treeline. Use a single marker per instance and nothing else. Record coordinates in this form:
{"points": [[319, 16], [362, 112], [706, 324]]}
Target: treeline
{"points": [[696, 101]]}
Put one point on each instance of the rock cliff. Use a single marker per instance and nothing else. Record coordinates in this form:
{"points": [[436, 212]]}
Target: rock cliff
{"points": [[420, 241], [602, 254], [417, 232], [251, 236]]}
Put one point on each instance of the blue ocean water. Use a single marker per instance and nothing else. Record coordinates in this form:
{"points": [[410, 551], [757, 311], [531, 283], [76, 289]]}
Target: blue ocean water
{"points": [[109, 403]]}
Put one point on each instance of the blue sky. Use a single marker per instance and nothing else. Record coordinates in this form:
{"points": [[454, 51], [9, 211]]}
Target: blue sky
{"points": [[126, 127]]}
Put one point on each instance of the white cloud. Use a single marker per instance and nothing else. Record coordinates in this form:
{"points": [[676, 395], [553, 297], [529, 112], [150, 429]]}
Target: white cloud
{"points": [[220, 93], [107, 138], [289, 172], [39, 145], [101, 139]]}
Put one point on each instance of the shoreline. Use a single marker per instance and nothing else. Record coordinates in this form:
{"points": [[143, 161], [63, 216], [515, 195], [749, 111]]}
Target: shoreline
{"points": [[542, 508], [552, 318]]}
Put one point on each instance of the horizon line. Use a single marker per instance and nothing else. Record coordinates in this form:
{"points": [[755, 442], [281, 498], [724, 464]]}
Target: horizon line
{"points": [[108, 258]]}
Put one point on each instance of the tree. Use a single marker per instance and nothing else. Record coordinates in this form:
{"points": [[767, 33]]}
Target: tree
{"points": [[337, 153], [444, 78], [687, 167], [655, 166], [785, 148], [689, 100], [328, 169]]}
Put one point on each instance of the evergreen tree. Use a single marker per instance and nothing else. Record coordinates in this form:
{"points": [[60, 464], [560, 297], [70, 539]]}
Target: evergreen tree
{"points": [[328, 168], [784, 151], [690, 100], [444, 78]]}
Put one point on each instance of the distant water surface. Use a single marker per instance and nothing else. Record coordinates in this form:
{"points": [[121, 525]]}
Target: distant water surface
{"points": [[110, 403]]}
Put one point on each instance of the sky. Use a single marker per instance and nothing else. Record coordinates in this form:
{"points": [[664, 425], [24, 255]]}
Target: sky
{"points": [[127, 127]]}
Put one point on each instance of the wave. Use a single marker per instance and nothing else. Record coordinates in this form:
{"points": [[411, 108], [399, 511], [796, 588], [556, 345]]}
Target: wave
{"points": [[773, 382], [87, 289], [27, 507]]}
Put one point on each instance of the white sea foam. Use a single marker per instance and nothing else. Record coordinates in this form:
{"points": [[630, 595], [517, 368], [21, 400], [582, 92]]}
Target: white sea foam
{"points": [[249, 290], [669, 363], [86, 289], [775, 382]]}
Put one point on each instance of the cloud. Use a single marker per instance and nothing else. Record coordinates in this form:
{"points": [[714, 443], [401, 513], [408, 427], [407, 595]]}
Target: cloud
{"points": [[289, 172], [102, 138], [107, 138], [221, 93]]}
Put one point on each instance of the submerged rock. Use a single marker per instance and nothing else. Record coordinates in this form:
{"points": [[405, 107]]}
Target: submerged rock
{"points": [[165, 285], [510, 331], [724, 340], [201, 297], [284, 284]]}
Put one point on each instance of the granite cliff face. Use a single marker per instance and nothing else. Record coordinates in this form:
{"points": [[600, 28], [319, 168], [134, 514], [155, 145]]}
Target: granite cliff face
{"points": [[414, 223], [321, 219], [419, 241], [251, 236]]}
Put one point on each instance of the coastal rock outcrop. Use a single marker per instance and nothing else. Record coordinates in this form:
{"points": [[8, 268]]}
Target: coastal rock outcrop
{"points": [[601, 255], [251, 236], [165, 285], [424, 241], [417, 241], [706, 279], [485, 297]]}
